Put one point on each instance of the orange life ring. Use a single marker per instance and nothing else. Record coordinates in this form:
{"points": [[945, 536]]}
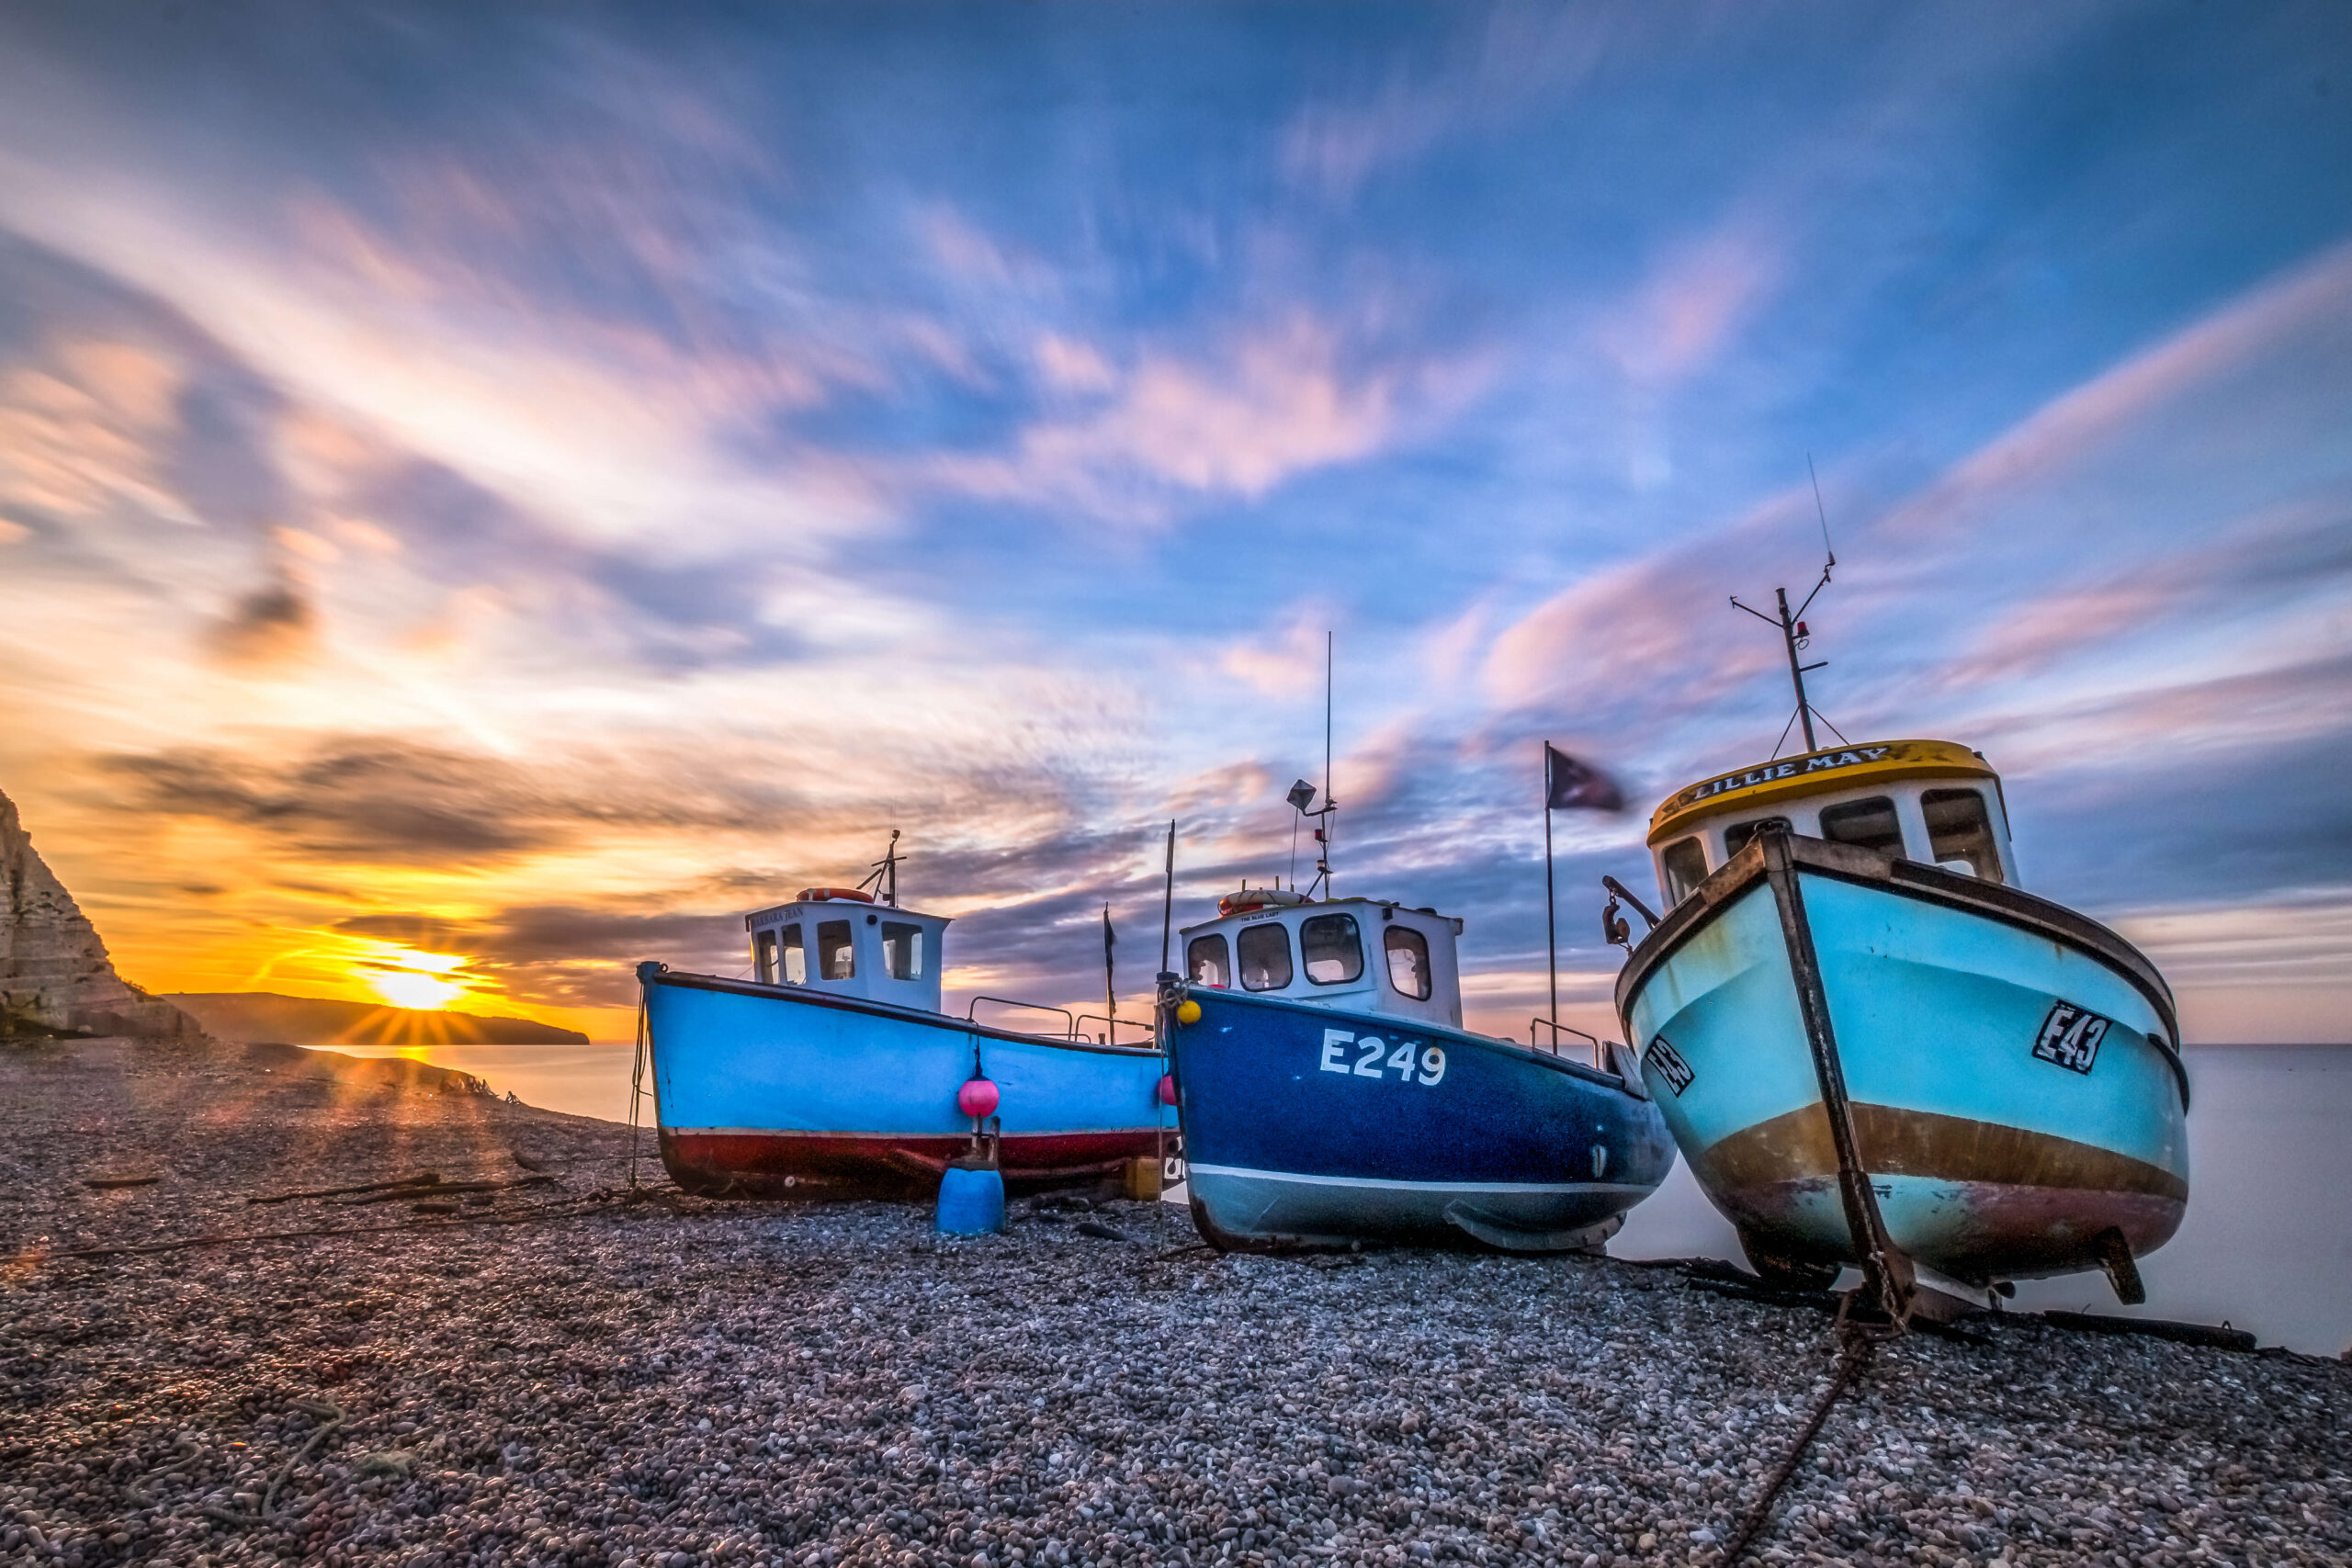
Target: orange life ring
{"points": [[820, 894]]}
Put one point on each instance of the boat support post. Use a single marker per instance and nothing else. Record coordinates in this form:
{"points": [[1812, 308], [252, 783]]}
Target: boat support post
{"points": [[1887, 1273]]}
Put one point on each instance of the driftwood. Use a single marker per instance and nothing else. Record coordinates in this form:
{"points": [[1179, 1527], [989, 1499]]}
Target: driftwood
{"points": [[422, 1179], [442, 1188], [107, 1183]]}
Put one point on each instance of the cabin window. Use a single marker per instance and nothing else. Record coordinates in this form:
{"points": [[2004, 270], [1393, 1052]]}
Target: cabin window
{"points": [[1209, 961], [1331, 950], [1408, 962], [836, 953], [1737, 836], [1959, 834], [901, 950], [795, 956], [1685, 867], [1870, 823], [763, 956], [1265, 957]]}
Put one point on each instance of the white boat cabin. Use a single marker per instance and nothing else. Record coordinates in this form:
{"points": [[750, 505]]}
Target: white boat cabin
{"points": [[1924, 800], [1358, 953], [841, 941]]}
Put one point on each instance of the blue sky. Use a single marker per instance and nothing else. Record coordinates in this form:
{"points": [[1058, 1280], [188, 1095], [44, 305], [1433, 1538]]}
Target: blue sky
{"points": [[525, 487]]}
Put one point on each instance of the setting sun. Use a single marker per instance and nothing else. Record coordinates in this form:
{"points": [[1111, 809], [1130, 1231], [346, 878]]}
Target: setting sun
{"points": [[407, 978]]}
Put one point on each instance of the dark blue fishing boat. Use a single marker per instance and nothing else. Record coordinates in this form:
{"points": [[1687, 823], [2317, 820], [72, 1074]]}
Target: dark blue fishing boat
{"points": [[1329, 1095]]}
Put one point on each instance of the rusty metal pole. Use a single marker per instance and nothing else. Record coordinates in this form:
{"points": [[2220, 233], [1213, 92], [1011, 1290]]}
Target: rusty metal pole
{"points": [[1886, 1269]]}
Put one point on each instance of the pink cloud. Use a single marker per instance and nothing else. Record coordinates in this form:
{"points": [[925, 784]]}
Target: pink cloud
{"points": [[2315, 298], [2274, 706], [1515, 58], [1694, 306], [1632, 628], [1277, 401], [1287, 663], [1074, 365], [77, 429]]}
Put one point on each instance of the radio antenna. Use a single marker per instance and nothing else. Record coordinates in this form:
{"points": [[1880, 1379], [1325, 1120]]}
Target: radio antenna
{"points": [[1822, 513], [1302, 797], [1792, 623]]}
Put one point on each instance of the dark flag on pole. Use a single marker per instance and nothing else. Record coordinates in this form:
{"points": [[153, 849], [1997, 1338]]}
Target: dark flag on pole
{"points": [[1109, 941], [1568, 785], [1573, 785]]}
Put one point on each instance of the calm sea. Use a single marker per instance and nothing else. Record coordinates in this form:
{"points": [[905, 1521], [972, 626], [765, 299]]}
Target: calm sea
{"points": [[2266, 1246]]}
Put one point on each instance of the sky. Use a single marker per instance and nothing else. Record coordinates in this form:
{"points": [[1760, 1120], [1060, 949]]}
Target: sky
{"points": [[490, 495]]}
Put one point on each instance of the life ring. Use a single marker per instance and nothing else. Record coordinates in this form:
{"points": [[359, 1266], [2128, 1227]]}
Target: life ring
{"points": [[822, 895]]}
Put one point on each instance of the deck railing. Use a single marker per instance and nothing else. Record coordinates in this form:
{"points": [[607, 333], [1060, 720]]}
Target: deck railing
{"points": [[1110, 1027], [1599, 1051], [1069, 1030]]}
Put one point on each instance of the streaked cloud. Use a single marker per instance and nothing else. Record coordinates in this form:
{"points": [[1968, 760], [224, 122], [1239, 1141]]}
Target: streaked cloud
{"points": [[524, 489]]}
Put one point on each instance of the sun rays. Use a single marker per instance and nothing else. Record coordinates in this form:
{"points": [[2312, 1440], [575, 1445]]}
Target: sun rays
{"points": [[410, 978]]}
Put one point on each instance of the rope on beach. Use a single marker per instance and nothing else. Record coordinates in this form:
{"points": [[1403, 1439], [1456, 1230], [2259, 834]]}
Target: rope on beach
{"points": [[442, 1189], [333, 1417], [1857, 1347], [189, 1453], [422, 1178]]}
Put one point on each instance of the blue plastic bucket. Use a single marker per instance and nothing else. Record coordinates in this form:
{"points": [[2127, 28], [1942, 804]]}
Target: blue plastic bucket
{"points": [[971, 1202]]}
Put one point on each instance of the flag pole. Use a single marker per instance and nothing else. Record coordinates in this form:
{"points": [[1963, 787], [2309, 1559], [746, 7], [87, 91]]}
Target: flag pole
{"points": [[1110, 987], [1551, 912], [1168, 897]]}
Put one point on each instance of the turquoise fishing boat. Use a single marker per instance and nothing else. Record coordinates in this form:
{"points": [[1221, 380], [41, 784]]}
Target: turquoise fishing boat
{"points": [[1875, 1047], [1844, 926]]}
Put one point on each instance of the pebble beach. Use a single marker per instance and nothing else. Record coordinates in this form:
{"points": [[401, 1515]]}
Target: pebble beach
{"points": [[575, 1372]]}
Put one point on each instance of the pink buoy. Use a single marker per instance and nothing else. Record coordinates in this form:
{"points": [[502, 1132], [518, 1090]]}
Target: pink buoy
{"points": [[976, 1099], [1167, 1089]]}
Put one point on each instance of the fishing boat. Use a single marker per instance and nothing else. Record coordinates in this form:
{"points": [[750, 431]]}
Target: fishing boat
{"points": [[833, 1063], [1874, 1046], [1329, 1095]]}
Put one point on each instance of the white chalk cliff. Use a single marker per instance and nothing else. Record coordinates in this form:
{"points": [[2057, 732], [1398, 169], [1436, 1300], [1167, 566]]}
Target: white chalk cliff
{"points": [[55, 976]]}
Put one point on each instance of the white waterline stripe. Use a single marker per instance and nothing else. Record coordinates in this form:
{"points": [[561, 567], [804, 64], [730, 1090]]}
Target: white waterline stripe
{"points": [[1193, 1168]]}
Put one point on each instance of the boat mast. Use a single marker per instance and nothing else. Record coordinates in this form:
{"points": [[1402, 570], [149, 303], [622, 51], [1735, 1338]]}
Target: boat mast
{"points": [[1323, 834], [1793, 635], [884, 876], [1302, 796]]}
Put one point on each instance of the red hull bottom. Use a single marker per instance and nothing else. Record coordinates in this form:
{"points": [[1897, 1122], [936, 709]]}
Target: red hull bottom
{"points": [[756, 1165]]}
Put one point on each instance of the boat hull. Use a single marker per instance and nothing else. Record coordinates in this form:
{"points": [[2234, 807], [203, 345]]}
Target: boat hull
{"points": [[760, 1087], [2012, 1068], [1297, 1134]]}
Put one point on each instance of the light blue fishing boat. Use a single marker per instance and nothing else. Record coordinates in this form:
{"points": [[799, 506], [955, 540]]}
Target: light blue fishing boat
{"points": [[1875, 1047], [834, 1064], [1847, 979]]}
